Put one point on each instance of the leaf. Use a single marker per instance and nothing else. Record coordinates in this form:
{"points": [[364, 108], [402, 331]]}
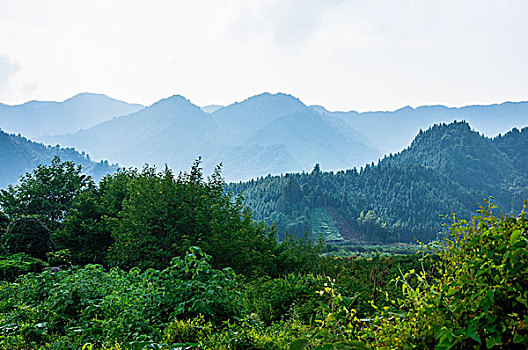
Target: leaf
{"points": [[446, 340], [350, 345], [517, 338], [472, 333], [299, 344], [325, 347], [515, 234], [491, 342]]}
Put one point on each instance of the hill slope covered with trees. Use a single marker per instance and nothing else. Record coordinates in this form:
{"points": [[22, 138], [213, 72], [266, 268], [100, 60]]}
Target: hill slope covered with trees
{"points": [[448, 168], [19, 155]]}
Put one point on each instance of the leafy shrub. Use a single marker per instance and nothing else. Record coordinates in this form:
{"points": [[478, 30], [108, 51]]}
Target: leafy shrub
{"points": [[12, 266], [48, 191], [479, 299], [291, 296], [91, 305], [253, 335], [369, 277], [187, 331], [59, 258]]}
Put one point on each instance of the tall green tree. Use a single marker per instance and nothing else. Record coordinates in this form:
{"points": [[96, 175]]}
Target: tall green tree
{"points": [[87, 229], [163, 215], [28, 235], [48, 191]]}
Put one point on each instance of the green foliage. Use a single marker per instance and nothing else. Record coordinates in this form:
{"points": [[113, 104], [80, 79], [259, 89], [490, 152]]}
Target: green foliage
{"points": [[84, 231], [348, 249], [290, 297], [145, 218], [12, 266], [188, 331], [368, 279], [477, 300], [47, 191], [28, 235], [336, 315], [90, 305], [252, 335], [59, 258], [335, 323], [4, 222], [163, 292]]}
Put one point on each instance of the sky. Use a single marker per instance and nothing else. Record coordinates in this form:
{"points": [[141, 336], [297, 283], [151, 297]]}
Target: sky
{"points": [[341, 54]]}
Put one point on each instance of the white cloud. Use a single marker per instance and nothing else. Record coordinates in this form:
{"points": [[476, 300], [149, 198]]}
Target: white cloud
{"points": [[8, 68], [287, 23], [344, 54]]}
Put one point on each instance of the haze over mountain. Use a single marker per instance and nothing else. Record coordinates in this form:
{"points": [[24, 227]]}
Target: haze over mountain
{"points": [[448, 168], [263, 134], [19, 155], [267, 133], [38, 118], [393, 131]]}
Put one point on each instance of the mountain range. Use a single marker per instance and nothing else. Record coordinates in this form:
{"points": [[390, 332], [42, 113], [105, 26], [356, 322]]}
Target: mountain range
{"points": [[393, 131], [264, 134]]}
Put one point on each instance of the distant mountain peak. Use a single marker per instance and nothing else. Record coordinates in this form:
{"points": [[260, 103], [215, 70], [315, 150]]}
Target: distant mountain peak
{"points": [[85, 95], [172, 99], [405, 109], [175, 104], [90, 98], [279, 99], [455, 127]]}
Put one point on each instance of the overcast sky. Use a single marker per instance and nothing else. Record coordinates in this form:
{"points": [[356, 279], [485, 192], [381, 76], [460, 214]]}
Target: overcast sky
{"points": [[344, 55]]}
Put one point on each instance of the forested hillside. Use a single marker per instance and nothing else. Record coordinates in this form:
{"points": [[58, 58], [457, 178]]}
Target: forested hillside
{"points": [[19, 155], [448, 168]]}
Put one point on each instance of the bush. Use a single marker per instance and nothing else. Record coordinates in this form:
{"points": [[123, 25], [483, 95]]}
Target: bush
{"points": [[252, 335], [479, 299], [187, 331], [291, 296], [91, 305], [12, 266]]}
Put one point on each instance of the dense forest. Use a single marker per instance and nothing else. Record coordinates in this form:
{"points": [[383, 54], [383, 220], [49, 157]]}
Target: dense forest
{"points": [[147, 259], [406, 196], [20, 155]]}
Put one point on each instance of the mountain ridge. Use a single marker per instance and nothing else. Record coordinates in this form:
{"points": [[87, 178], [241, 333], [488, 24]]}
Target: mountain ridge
{"points": [[84, 110], [353, 138], [254, 126], [447, 168]]}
